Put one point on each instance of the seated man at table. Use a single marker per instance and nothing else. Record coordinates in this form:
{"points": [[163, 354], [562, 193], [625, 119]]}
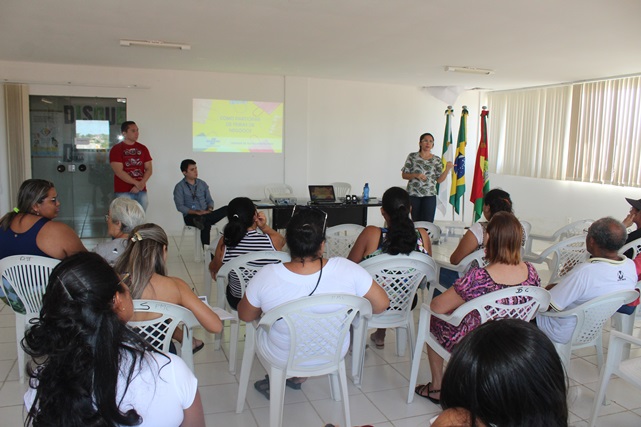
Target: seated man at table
{"points": [[193, 200], [605, 272]]}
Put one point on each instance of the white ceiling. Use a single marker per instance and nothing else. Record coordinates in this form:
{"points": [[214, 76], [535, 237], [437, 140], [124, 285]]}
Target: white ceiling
{"points": [[392, 41]]}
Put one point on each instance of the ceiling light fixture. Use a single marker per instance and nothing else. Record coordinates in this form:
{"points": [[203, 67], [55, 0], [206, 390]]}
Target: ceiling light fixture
{"points": [[155, 43], [469, 70]]}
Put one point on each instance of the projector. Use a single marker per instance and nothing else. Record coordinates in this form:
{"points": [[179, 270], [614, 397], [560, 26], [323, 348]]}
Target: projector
{"points": [[283, 199]]}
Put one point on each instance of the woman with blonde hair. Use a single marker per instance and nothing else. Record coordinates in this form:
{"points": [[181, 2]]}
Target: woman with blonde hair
{"points": [[145, 261]]}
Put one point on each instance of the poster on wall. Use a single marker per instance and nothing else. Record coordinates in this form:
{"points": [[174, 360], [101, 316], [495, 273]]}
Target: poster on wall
{"points": [[46, 133]]}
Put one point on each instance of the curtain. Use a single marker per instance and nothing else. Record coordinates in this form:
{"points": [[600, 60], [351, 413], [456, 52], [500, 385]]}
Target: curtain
{"points": [[16, 98]]}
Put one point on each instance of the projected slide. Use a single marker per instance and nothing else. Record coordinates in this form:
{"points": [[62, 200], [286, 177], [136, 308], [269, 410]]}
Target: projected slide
{"points": [[225, 126]]}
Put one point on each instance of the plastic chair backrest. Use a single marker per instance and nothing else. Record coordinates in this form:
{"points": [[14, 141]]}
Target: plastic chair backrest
{"points": [[514, 302], [400, 275], [566, 255], [278, 189], [340, 239], [341, 189], [576, 228], [635, 245], [592, 315], [158, 331], [247, 265], [26, 276], [433, 230], [318, 326]]}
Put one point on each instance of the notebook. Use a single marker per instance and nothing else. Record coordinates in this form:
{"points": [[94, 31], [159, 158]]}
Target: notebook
{"points": [[322, 195]]}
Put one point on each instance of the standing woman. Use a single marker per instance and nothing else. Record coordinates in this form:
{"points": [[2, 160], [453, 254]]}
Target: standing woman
{"points": [[424, 170]]}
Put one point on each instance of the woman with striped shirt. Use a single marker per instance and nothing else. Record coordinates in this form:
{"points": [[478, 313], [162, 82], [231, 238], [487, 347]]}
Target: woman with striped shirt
{"points": [[241, 237]]}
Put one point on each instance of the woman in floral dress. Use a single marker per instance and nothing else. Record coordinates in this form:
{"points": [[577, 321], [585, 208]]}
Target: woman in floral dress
{"points": [[505, 269]]}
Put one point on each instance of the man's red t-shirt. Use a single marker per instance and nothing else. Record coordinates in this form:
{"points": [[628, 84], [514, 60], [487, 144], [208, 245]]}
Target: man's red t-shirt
{"points": [[133, 158]]}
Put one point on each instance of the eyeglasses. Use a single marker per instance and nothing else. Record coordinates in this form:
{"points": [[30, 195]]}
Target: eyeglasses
{"points": [[107, 217], [54, 200], [299, 208]]}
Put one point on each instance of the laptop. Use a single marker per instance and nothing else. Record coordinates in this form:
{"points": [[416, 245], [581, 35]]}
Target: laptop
{"points": [[322, 195]]}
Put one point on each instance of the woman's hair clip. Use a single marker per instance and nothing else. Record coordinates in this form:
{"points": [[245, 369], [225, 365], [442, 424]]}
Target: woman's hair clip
{"points": [[136, 237], [16, 210], [235, 216]]}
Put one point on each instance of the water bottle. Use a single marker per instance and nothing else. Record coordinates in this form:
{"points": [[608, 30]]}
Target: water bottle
{"points": [[366, 193]]}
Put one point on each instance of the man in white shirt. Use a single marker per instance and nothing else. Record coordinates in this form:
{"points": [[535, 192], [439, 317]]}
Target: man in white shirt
{"points": [[605, 272]]}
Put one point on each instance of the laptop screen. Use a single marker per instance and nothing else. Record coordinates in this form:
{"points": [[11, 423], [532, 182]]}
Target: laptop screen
{"points": [[321, 193]]}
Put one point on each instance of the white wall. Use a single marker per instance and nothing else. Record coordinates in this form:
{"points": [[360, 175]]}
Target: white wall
{"points": [[334, 131], [550, 204]]}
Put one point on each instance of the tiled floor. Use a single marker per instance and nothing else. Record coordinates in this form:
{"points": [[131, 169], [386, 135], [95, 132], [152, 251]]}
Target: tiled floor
{"points": [[380, 402]]}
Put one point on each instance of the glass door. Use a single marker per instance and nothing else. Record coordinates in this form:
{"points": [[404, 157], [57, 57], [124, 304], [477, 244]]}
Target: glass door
{"points": [[70, 142]]}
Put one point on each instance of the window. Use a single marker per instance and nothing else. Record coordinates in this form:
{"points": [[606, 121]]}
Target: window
{"points": [[589, 132]]}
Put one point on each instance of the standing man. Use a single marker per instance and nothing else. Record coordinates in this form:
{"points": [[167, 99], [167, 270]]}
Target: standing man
{"points": [[131, 163], [193, 200]]}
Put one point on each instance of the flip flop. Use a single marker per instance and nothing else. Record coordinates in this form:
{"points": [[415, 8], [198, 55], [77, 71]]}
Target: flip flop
{"points": [[379, 343], [198, 348], [291, 384], [262, 386], [421, 389]]}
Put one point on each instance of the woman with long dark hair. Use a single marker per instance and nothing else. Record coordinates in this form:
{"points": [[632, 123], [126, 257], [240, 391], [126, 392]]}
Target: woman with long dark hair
{"points": [[496, 200], [92, 370], [493, 379], [398, 237], [28, 229], [240, 237]]}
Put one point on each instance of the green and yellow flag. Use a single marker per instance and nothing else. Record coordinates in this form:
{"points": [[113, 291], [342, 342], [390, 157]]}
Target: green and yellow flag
{"points": [[458, 176]]}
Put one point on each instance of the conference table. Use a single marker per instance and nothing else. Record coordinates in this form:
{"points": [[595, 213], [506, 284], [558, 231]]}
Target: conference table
{"points": [[339, 213]]}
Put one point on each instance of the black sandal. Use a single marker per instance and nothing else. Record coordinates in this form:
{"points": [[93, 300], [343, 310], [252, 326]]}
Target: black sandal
{"points": [[420, 389], [262, 386]]}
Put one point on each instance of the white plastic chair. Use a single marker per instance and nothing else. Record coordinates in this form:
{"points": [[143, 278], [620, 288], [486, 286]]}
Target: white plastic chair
{"points": [[197, 246], [209, 252], [317, 339], [590, 318], [27, 275], [339, 239], [400, 276], [628, 370], [477, 257], [158, 331], [532, 300], [624, 323], [635, 245], [278, 189], [244, 267], [433, 230], [576, 228], [341, 189], [563, 256]]}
